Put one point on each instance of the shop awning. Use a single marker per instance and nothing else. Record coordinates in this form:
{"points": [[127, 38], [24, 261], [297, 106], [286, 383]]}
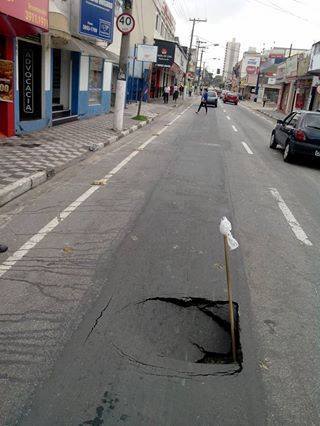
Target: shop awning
{"points": [[85, 48]]}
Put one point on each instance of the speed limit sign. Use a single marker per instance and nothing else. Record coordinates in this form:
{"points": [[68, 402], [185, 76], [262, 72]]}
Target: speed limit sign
{"points": [[125, 23]]}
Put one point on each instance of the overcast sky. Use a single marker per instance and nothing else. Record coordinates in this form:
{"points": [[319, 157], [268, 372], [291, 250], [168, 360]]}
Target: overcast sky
{"points": [[257, 23]]}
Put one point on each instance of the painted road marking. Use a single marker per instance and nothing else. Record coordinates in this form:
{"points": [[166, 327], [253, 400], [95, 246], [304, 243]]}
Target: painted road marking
{"points": [[292, 221], [234, 128], [228, 117], [141, 147], [39, 236], [246, 147]]}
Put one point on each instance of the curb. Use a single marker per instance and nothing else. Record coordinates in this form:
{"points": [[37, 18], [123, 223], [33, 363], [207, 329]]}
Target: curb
{"points": [[14, 190], [261, 112]]}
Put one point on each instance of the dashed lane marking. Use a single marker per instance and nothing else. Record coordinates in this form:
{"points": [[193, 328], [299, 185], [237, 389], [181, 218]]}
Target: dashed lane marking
{"points": [[234, 128], [228, 117], [246, 147], [292, 221]]}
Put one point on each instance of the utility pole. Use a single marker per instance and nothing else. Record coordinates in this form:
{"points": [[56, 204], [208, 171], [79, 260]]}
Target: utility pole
{"points": [[122, 74], [199, 42], [200, 67], [194, 20]]}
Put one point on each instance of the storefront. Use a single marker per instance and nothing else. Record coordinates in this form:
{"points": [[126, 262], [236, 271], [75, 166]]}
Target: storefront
{"points": [[169, 69], [28, 18]]}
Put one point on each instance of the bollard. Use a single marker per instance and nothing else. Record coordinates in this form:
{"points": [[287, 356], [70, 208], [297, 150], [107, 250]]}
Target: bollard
{"points": [[232, 244]]}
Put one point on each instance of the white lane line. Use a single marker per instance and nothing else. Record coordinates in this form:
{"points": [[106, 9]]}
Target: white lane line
{"points": [[228, 117], [292, 221], [120, 165], [36, 238], [175, 119], [141, 147], [246, 147], [234, 128]]}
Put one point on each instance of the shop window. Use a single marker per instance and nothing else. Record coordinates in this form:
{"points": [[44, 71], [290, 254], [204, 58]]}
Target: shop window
{"points": [[95, 80]]}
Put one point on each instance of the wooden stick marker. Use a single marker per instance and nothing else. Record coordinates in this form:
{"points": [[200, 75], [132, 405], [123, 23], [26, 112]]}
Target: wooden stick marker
{"points": [[229, 244]]}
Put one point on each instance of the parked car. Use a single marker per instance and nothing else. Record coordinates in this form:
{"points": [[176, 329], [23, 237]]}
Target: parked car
{"points": [[231, 97], [212, 98], [298, 134]]}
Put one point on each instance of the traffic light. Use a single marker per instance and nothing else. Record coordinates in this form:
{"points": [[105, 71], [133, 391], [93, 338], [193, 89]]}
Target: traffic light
{"points": [[218, 71]]}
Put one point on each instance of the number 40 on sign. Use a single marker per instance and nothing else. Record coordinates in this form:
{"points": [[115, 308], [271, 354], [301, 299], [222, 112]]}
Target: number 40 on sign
{"points": [[125, 23]]}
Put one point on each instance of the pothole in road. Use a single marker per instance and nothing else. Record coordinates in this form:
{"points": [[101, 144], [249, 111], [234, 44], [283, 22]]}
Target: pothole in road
{"points": [[191, 329]]}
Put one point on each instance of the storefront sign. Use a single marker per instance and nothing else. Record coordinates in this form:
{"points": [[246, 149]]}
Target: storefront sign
{"points": [[6, 81], [315, 59], [147, 53], [180, 59], [29, 81], [35, 12], [166, 51], [292, 66], [272, 80], [96, 19], [251, 69], [28, 76], [281, 70]]}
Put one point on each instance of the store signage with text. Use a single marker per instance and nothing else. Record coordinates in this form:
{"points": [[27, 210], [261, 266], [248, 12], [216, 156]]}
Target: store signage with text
{"points": [[30, 92], [28, 104], [6, 81], [35, 12], [166, 51], [96, 19]]}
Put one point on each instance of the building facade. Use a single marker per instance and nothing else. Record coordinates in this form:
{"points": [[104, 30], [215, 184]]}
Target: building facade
{"points": [[231, 57], [156, 26], [20, 20], [62, 73]]}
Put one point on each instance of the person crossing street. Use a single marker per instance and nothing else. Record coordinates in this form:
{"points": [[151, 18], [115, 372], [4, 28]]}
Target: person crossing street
{"points": [[204, 101]]}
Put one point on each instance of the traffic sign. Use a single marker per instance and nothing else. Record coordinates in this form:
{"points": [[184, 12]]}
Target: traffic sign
{"points": [[125, 23]]}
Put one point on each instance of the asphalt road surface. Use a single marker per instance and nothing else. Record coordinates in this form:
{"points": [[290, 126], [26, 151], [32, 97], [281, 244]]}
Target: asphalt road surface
{"points": [[112, 295]]}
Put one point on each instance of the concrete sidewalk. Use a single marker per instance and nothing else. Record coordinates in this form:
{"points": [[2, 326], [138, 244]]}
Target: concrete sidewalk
{"points": [[29, 160], [269, 111]]}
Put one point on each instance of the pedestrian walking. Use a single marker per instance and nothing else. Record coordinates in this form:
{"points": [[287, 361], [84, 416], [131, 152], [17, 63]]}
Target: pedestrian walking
{"points": [[190, 92], [3, 248], [175, 94], [264, 100], [166, 94], [204, 101], [181, 89]]}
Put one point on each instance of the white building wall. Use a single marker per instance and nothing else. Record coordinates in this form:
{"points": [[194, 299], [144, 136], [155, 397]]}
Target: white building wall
{"points": [[231, 58], [107, 76], [84, 73]]}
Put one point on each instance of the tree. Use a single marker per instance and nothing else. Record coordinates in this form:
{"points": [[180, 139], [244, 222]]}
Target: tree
{"points": [[217, 81]]}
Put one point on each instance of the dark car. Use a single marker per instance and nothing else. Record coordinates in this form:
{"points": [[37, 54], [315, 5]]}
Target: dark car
{"points": [[298, 134], [231, 97], [212, 98]]}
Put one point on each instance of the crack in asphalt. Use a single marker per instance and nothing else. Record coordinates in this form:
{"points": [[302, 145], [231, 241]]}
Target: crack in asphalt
{"points": [[98, 318]]}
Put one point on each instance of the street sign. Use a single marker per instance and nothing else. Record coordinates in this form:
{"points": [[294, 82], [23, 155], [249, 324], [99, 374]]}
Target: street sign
{"points": [[146, 53], [96, 19], [125, 23]]}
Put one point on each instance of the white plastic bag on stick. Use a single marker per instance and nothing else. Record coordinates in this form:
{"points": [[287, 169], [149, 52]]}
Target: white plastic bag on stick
{"points": [[225, 229]]}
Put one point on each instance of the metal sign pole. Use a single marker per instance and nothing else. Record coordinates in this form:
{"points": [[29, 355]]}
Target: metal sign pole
{"points": [[231, 313]]}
